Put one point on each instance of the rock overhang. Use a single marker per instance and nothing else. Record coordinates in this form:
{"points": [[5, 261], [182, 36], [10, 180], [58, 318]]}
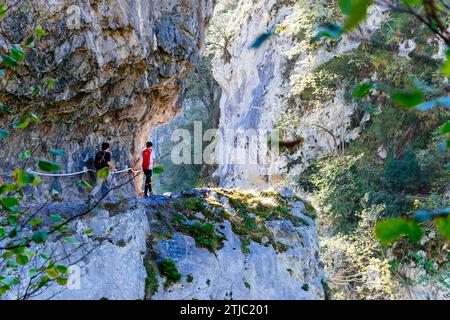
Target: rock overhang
{"points": [[119, 70]]}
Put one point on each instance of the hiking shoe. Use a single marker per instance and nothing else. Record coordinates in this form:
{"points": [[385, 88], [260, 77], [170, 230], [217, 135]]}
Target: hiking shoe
{"points": [[145, 196]]}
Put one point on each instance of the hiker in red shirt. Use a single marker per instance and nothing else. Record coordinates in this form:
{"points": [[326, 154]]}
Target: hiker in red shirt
{"points": [[148, 163]]}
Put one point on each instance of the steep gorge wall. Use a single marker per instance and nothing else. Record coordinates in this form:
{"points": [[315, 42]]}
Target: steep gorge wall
{"points": [[262, 88], [119, 68]]}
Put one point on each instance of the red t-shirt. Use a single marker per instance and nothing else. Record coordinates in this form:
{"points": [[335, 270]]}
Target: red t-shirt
{"points": [[146, 158]]}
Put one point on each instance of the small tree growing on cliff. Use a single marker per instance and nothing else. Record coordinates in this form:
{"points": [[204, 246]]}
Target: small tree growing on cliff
{"points": [[219, 38]]}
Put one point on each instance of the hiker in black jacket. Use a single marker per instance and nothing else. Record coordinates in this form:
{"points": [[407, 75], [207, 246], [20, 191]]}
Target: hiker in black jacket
{"points": [[102, 160]]}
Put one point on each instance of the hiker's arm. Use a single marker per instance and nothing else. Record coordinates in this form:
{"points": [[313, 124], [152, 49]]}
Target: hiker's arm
{"points": [[135, 163], [111, 166]]}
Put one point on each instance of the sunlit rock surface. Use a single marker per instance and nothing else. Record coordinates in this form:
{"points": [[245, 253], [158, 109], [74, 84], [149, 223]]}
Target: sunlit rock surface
{"points": [[257, 86], [128, 232], [261, 274]]}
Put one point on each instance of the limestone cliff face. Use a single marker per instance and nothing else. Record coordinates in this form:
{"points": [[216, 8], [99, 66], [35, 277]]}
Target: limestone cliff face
{"points": [[261, 88], [119, 68], [121, 258]]}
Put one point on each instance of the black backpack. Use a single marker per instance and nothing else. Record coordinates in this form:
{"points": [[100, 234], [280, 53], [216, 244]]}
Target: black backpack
{"points": [[100, 162]]}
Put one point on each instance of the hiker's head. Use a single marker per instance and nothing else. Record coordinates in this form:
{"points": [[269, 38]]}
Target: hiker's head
{"points": [[149, 144], [105, 146]]}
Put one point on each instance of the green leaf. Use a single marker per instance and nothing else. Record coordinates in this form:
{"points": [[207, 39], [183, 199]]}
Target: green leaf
{"points": [[17, 54], [412, 3], [7, 109], [64, 228], [7, 188], [363, 89], [70, 240], [54, 192], [20, 250], [34, 118], [445, 67], [44, 256], [43, 281], [13, 232], [61, 269], [333, 31], [35, 222], [443, 225], [158, 170], [62, 280], [3, 10], [22, 259], [48, 166], [57, 153], [22, 124], [10, 61], [345, 6], [408, 99], [52, 273], [355, 12], [25, 155], [32, 272], [55, 218], [446, 128], [10, 204], [33, 179], [2, 232], [7, 255], [4, 134], [51, 83], [40, 236], [85, 184], [36, 90], [103, 173], [12, 219], [388, 231], [30, 40], [88, 231], [8, 281], [20, 177], [40, 32]]}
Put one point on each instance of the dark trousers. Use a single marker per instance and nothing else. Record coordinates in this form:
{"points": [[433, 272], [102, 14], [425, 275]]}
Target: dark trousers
{"points": [[148, 180]]}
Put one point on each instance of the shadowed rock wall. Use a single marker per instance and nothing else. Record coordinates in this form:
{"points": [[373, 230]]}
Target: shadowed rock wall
{"points": [[120, 67]]}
